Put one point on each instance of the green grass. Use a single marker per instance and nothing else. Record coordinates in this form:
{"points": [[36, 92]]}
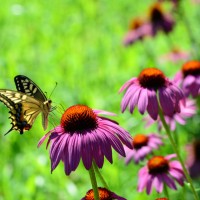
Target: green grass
{"points": [[77, 44]]}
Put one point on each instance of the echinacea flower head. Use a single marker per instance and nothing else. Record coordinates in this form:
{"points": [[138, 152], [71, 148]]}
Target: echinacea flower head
{"points": [[159, 171], [193, 158], [162, 198], [176, 55], [142, 91], [82, 133], [104, 194], [189, 78], [187, 110], [143, 145], [138, 29], [160, 20]]}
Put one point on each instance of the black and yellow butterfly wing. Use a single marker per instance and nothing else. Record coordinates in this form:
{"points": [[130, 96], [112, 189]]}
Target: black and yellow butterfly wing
{"points": [[27, 86], [25, 104], [23, 109]]}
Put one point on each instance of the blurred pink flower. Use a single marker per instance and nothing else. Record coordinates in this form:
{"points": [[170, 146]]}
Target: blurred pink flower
{"points": [[189, 78], [160, 20], [187, 110], [193, 158], [142, 146], [159, 171], [176, 55], [137, 31]]}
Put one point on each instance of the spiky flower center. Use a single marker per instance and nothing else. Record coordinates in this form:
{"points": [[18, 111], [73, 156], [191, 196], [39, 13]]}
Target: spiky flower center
{"points": [[79, 118], [139, 141], [135, 23], [158, 164], [151, 78], [191, 68], [156, 13], [162, 198], [104, 194]]}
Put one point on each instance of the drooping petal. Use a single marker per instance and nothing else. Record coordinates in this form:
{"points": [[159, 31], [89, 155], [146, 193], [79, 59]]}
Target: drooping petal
{"points": [[166, 101], [169, 181], [74, 147], [152, 106], [143, 101], [86, 150]]}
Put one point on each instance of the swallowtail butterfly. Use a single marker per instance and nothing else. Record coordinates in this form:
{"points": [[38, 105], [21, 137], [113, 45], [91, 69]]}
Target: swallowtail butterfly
{"points": [[25, 104]]}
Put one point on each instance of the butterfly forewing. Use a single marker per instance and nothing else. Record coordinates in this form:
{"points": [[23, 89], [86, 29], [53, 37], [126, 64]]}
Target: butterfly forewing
{"points": [[27, 86]]}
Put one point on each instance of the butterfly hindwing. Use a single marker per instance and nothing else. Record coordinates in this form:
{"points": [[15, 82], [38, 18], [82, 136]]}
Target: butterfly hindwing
{"points": [[18, 120]]}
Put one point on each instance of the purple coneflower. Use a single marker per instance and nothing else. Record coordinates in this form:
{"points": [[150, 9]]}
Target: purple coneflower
{"points": [[138, 29], [189, 78], [104, 194], [193, 158], [159, 171], [175, 56], [84, 134], [142, 91], [187, 110], [142, 146], [160, 20], [162, 198]]}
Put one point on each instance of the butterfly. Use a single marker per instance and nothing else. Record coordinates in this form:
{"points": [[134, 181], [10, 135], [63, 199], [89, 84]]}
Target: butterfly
{"points": [[25, 104]]}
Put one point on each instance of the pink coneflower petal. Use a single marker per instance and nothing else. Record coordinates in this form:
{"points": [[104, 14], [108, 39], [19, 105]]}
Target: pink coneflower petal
{"points": [[134, 100], [152, 107], [85, 148], [127, 84], [178, 176], [169, 181], [166, 101], [149, 184], [158, 183], [74, 149], [143, 101]]}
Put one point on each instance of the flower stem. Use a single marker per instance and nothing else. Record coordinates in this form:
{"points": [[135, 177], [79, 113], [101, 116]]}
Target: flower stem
{"points": [[177, 153], [166, 191], [100, 176], [94, 183]]}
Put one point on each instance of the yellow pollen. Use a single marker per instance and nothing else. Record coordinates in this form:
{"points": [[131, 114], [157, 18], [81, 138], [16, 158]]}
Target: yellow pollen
{"points": [[79, 118], [191, 68], [104, 194], [139, 141], [151, 78], [157, 164]]}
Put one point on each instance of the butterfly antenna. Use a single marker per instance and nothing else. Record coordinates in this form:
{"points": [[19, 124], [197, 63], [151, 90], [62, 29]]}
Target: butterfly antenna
{"points": [[53, 90]]}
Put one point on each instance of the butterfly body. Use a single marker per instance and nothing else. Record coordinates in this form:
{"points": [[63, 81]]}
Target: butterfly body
{"points": [[25, 104]]}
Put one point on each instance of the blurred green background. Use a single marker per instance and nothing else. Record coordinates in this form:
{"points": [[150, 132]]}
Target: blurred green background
{"points": [[77, 44]]}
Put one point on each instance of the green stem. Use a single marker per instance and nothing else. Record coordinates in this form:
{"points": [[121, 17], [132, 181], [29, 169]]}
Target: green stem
{"points": [[177, 153], [100, 176], [166, 191], [94, 183]]}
